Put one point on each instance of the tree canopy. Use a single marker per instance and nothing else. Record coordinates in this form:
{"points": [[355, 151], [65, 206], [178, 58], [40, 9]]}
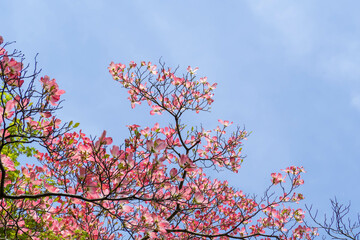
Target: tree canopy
{"points": [[151, 186]]}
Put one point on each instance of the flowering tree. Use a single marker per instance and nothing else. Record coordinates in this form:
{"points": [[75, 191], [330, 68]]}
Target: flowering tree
{"points": [[153, 186]]}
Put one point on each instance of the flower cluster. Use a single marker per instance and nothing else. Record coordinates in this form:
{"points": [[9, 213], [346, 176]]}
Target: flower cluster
{"points": [[10, 69], [52, 90], [163, 90]]}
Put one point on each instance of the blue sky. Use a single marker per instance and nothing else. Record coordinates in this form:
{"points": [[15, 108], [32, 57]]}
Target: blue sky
{"points": [[286, 70]]}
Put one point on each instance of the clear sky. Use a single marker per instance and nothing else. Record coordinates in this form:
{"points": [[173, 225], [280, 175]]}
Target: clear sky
{"points": [[289, 71]]}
